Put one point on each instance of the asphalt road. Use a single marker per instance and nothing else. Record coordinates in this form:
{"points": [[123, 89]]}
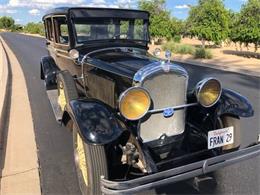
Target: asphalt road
{"points": [[54, 142]]}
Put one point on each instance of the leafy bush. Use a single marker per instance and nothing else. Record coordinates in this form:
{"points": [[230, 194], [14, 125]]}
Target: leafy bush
{"points": [[178, 48], [176, 39], [34, 28], [203, 53], [184, 49]]}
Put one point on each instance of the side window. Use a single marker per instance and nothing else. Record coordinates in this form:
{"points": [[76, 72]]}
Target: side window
{"points": [[61, 30], [49, 29]]}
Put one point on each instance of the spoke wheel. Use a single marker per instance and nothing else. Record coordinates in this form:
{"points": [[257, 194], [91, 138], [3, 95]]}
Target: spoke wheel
{"points": [[61, 97], [67, 90], [81, 158], [91, 164]]}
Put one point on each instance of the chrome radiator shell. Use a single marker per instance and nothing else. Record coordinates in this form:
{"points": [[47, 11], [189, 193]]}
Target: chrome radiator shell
{"points": [[167, 85]]}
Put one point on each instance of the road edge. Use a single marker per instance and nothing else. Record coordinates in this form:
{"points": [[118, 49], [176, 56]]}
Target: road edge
{"points": [[4, 87], [217, 67], [19, 162]]}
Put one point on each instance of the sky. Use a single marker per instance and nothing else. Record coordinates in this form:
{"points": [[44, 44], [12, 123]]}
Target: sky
{"points": [[24, 11]]}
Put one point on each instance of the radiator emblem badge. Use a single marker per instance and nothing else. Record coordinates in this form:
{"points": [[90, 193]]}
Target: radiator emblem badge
{"points": [[168, 112]]}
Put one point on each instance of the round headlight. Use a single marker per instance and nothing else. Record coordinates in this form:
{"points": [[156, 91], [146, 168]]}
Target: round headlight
{"points": [[208, 92], [134, 103]]}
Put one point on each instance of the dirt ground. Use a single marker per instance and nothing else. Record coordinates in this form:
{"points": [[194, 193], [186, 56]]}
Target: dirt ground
{"points": [[226, 56]]}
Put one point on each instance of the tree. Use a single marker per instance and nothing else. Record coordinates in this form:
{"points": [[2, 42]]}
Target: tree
{"points": [[6, 22], [234, 33], [160, 20], [34, 28], [208, 21], [248, 24]]}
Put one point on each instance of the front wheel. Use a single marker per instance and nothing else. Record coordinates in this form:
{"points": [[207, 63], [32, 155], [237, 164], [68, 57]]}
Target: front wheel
{"points": [[91, 164]]}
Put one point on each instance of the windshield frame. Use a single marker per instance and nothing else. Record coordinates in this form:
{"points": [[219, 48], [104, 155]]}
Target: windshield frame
{"points": [[109, 13], [145, 27]]}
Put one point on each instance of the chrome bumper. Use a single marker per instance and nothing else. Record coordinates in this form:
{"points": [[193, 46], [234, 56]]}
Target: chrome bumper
{"points": [[178, 173]]}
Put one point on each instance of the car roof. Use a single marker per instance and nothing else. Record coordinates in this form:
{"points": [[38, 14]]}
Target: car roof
{"points": [[66, 10]]}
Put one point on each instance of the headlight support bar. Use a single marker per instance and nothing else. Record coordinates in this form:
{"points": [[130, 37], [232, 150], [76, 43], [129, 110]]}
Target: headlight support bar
{"points": [[173, 107]]}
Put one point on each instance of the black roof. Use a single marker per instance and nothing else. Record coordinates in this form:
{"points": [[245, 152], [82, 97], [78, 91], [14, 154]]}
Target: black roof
{"points": [[56, 11], [66, 10]]}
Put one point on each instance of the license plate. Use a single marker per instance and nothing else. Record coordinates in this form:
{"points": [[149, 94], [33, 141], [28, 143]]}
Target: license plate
{"points": [[220, 137]]}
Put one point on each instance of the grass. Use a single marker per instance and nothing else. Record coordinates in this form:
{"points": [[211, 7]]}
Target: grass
{"points": [[203, 53], [187, 49], [178, 48]]}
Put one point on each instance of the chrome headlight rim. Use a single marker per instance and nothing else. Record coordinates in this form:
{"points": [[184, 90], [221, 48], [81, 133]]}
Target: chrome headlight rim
{"points": [[123, 94], [199, 87]]}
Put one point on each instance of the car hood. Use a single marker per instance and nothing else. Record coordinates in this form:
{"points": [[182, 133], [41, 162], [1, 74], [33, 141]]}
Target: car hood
{"points": [[122, 62]]}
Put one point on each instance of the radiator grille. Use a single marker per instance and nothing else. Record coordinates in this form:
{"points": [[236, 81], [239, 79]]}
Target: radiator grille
{"points": [[166, 89]]}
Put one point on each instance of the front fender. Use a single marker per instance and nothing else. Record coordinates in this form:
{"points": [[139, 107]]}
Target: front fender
{"points": [[95, 120], [233, 103]]}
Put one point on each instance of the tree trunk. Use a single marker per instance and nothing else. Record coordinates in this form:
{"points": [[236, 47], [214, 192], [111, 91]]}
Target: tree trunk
{"points": [[246, 44], [203, 43], [240, 45], [152, 41], [256, 47]]}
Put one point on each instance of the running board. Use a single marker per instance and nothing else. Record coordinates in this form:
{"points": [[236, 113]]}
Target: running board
{"points": [[53, 97]]}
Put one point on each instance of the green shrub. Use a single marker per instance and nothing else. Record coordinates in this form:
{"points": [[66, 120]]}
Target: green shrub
{"points": [[184, 49], [203, 53], [168, 46], [34, 28], [176, 39], [178, 48]]}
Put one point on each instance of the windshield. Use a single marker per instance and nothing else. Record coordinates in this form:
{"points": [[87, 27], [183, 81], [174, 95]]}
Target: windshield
{"points": [[111, 29]]}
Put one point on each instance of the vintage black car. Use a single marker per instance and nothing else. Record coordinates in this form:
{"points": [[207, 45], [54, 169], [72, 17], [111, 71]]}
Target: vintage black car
{"points": [[136, 124]]}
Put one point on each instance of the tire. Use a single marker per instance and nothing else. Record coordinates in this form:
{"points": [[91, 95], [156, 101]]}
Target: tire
{"points": [[227, 121], [96, 164]]}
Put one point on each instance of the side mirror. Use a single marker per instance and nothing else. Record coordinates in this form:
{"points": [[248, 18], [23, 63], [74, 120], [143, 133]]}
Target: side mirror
{"points": [[74, 54]]}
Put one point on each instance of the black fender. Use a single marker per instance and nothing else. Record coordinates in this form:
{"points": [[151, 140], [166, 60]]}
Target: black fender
{"points": [[96, 121], [232, 103], [49, 70]]}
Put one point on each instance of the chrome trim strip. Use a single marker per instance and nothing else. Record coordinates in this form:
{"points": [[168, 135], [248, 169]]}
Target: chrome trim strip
{"points": [[61, 50], [155, 67], [174, 107], [64, 56]]}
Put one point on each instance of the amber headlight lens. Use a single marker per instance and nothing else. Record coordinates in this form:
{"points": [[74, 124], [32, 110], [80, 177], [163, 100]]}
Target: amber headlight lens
{"points": [[134, 103], [208, 92]]}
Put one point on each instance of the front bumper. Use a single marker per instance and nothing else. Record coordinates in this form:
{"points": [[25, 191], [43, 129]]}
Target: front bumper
{"points": [[178, 173]]}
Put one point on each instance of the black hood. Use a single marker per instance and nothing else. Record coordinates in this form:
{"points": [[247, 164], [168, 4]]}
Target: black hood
{"points": [[123, 62]]}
